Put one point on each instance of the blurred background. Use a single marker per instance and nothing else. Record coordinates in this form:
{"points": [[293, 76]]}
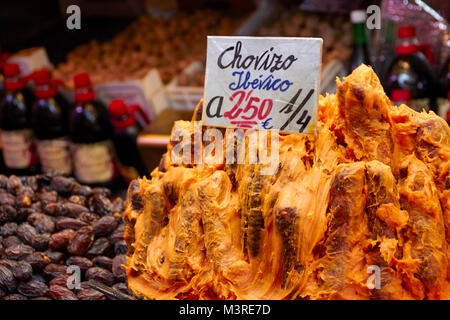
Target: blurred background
{"points": [[150, 55]]}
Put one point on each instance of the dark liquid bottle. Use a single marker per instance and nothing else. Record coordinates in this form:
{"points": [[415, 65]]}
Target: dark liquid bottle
{"points": [[90, 132], [126, 131], [3, 58], [411, 71], [19, 153], [2, 81], [2, 94], [50, 125], [360, 53]]}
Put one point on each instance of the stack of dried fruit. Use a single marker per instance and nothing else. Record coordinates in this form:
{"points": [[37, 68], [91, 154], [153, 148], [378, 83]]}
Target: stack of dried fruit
{"points": [[50, 223], [168, 45]]}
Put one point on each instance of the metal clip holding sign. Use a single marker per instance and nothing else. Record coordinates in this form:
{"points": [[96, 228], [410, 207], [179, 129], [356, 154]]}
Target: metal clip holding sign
{"points": [[262, 83]]}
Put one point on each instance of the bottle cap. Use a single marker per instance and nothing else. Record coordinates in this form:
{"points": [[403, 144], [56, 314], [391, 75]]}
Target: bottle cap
{"points": [[406, 32], [11, 70], [401, 95], [82, 80], [45, 88], [117, 108], [358, 16], [13, 82], [121, 115], [42, 77]]}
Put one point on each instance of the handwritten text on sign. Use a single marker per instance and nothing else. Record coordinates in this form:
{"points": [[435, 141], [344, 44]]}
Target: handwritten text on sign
{"points": [[262, 83]]}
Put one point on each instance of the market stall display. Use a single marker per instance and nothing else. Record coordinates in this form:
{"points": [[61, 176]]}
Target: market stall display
{"points": [[51, 223], [370, 191]]}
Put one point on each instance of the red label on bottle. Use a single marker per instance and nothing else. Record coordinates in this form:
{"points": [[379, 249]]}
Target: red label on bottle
{"points": [[18, 150], [55, 156], [94, 162]]}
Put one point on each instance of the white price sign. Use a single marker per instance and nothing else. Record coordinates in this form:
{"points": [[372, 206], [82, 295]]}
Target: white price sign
{"points": [[262, 83]]}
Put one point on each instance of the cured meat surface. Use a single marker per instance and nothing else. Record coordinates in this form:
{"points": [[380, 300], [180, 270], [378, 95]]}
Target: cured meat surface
{"points": [[361, 210]]}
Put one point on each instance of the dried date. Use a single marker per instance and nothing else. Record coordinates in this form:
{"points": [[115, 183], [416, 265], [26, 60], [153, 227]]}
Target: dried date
{"points": [[11, 241], [56, 292], [117, 267], [23, 213], [117, 235], [54, 270], [38, 277], [120, 247], [25, 197], [32, 288], [81, 242], [101, 205], [82, 262], [98, 248], [64, 209], [18, 251], [7, 199], [8, 229], [68, 186], [101, 191], [104, 226], [70, 223], [103, 262], [88, 217], [8, 213], [31, 181], [100, 275], [42, 222], [37, 260], [14, 184], [7, 280], [21, 270], [41, 241], [3, 181], [60, 281], [47, 197], [60, 240], [118, 205], [77, 199], [27, 233], [36, 206], [55, 256]]}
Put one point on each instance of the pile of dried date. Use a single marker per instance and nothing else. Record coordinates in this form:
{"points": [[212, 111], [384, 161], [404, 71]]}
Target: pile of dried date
{"points": [[52, 228]]}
